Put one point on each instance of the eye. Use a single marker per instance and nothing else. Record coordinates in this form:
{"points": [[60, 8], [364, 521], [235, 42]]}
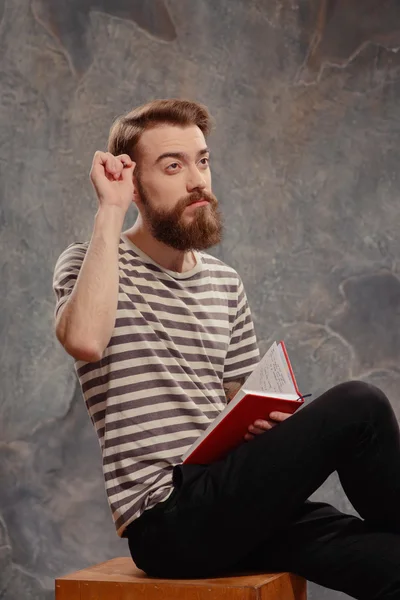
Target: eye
{"points": [[205, 161], [172, 166]]}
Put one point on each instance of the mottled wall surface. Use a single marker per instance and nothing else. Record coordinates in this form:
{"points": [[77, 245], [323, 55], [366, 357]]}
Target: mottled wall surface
{"points": [[306, 153]]}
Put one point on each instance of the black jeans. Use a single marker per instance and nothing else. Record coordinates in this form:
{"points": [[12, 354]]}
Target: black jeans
{"points": [[249, 511]]}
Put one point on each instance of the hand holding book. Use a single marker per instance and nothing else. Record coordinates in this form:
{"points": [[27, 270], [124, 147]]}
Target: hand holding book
{"points": [[260, 426], [271, 388]]}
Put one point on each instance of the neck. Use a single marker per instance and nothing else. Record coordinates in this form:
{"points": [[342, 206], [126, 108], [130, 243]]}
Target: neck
{"points": [[165, 256]]}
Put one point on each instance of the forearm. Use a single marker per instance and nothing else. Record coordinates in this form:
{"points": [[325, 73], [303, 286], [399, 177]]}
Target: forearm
{"points": [[232, 388], [86, 322]]}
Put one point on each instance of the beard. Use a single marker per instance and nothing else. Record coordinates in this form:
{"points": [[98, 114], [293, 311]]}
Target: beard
{"points": [[168, 227]]}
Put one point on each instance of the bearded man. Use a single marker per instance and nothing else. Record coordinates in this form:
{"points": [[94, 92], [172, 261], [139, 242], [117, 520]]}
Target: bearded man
{"points": [[163, 337]]}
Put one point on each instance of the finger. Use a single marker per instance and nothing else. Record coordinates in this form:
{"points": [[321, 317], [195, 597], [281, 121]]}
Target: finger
{"points": [[248, 437], [104, 158], [258, 430], [279, 416], [99, 160], [111, 165], [114, 166], [255, 430], [99, 157], [128, 168], [264, 424], [126, 160]]}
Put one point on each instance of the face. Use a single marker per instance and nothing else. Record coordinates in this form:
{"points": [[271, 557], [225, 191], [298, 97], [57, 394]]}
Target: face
{"points": [[173, 188]]}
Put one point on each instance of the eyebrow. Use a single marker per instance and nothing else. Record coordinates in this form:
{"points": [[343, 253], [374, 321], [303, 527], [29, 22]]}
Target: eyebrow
{"points": [[181, 155]]}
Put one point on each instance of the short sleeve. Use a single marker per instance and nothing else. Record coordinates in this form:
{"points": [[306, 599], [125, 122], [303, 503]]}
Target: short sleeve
{"points": [[243, 354], [66, 272]]}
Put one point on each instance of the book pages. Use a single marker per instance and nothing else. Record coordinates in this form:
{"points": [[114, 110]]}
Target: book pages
{"points": [[285, 364], [271, 374]]}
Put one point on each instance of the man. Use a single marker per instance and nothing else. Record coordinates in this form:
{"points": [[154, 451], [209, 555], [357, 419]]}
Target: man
{"points": [[162, 336]]}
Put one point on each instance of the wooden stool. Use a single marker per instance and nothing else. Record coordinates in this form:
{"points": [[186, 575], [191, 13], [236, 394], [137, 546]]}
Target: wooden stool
{"points": [[119, 579]]}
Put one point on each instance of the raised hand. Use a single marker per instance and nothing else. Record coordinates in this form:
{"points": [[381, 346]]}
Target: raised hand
{"points": [[112, 178]]}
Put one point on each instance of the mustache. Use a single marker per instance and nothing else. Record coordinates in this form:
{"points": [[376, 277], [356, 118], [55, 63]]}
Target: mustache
{"points": [[198, 197]]}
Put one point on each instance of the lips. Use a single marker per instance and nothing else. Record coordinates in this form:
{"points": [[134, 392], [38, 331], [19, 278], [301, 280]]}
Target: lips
{"points": [[201, 202]]}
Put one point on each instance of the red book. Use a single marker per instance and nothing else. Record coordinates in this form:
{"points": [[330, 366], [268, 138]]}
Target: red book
{"points": [[271, 387]]}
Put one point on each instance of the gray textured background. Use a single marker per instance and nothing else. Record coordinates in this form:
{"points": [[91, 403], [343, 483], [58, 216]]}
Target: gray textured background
{"points": [[306, 98]]}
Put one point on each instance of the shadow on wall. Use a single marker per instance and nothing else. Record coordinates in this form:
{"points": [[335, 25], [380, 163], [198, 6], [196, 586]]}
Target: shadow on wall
{"points": [[68, 22], [340, 29]]}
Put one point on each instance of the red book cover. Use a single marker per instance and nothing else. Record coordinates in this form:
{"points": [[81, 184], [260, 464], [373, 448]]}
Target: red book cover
{"points": [[230, 427]]}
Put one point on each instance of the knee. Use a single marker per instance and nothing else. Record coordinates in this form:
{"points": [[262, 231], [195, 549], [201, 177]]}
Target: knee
{"points": [[363, 397]]}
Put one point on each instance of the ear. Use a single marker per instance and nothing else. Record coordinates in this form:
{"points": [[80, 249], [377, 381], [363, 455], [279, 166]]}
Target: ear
{"points": [[136, 195]]}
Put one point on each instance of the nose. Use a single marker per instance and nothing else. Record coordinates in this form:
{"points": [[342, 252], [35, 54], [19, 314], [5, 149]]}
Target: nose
{"points": [[195, 181]]}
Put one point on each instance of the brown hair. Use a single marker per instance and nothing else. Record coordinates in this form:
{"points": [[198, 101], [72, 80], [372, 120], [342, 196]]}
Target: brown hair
{"points": [[126, 131]]}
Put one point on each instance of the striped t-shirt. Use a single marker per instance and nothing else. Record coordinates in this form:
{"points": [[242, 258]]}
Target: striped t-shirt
{"points": [[177, 338]]}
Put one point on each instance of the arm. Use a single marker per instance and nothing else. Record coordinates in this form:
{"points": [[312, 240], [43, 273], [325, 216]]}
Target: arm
{"points": [[231, 388], [243, 354], [85, 322]]}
